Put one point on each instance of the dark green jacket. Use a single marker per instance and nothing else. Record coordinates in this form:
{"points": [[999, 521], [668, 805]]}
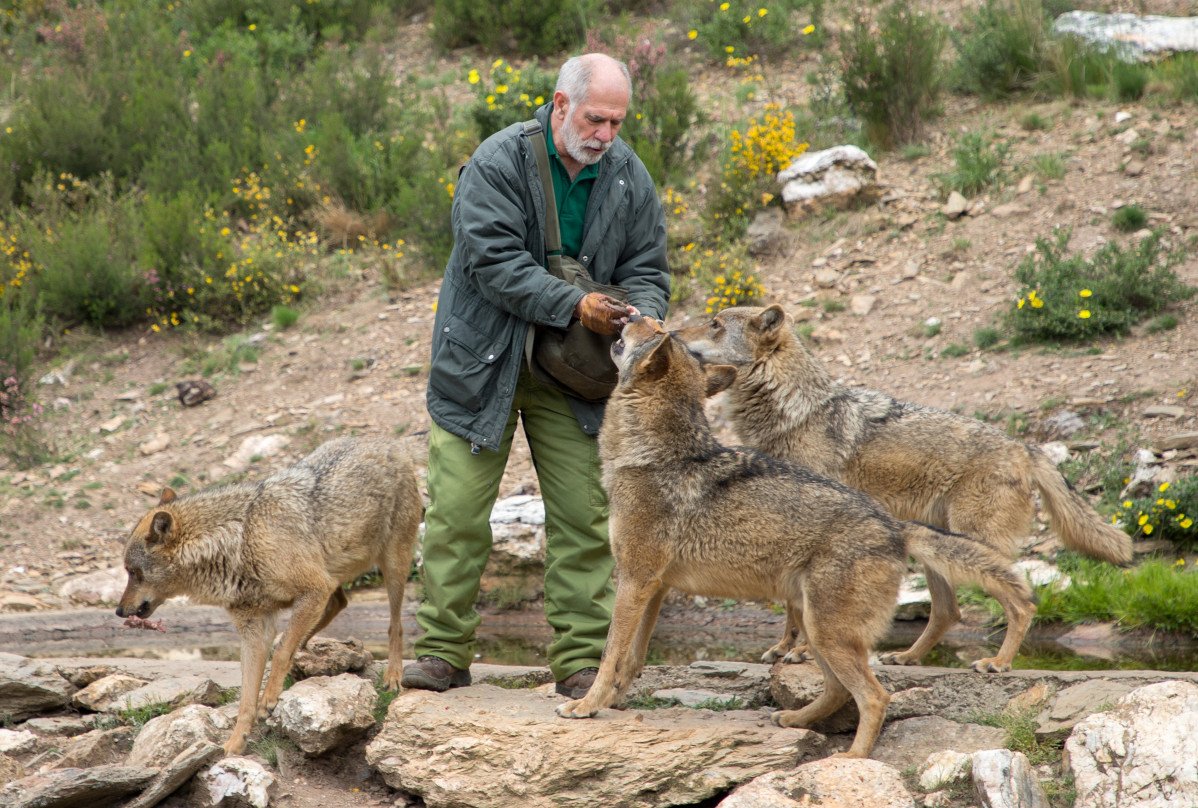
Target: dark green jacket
{"points": [[496, 283]]}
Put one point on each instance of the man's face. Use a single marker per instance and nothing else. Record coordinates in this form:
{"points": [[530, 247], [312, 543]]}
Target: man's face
{"points": [[588, 129]]}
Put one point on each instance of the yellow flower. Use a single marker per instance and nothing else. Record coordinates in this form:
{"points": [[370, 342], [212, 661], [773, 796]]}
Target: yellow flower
{"points": [[1170, 504], [723, 6], [809, 29], [1084, 314], [691, 34], [1147, 530], [1019, 305], [1164, 487], [747, 19], [1127, 503], [473, 77], [253, 27], [729, 48], [1037, 303], [1084, 293], [501, 88], [1186, 523], [1143, 519], [761, 12]]}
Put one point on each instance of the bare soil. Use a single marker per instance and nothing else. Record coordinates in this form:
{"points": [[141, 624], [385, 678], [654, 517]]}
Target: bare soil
{"points": [[356, 361]]}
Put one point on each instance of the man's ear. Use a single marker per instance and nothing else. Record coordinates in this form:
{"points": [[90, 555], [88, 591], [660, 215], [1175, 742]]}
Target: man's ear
{"points": [[162, 528], [719, 378]]}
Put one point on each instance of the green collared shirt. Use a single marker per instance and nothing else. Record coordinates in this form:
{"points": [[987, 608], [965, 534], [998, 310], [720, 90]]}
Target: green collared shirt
{"points": [[571, 197]]}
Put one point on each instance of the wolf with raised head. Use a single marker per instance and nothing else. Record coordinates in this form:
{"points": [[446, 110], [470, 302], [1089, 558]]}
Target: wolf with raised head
{"points": [[689, 513], [923, 464], [289, 541]]}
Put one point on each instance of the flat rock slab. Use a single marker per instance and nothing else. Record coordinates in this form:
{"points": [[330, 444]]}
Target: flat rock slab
{"points": [[66, 788], [486, 747]]}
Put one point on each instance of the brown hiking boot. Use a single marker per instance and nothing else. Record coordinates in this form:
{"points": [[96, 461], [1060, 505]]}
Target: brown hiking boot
{"points": [[576, 685], [433, 673]]}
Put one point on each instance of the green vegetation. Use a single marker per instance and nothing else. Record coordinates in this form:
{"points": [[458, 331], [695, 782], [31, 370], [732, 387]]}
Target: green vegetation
{"points": [[1129, 218], [979, 165], [1067, 297], [890, 72], [1160, 594]]}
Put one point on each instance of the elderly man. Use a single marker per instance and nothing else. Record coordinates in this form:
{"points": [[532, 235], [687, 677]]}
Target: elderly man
{"points": [[496, 287]]}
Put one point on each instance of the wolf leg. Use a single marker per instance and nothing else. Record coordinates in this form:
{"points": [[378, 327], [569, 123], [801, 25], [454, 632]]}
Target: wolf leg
{"points": [[337, 601], [306, 614], [789, 649], [640, 644], [1019, 611], [395, 567], [945, 613], [633, 599], [256, 635]]}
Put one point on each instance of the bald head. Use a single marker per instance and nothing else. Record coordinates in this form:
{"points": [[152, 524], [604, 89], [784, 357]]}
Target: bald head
{"points": [[594, 73]]}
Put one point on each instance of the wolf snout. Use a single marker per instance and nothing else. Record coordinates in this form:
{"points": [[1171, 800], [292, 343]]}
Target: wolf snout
{"points": [[143, 610]]}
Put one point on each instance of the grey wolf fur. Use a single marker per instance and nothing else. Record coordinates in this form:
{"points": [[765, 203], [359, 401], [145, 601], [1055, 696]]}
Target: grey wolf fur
{"points": [[290, 540], [689, 513], [923, 464]]}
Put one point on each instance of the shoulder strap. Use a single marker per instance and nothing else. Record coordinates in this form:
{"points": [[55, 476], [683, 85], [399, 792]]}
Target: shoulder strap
{"points": [[553, 233]]}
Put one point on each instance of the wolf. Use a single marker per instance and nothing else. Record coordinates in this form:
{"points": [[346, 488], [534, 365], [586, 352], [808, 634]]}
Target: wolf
{"points": [[689, 513], [921, 463], [289, 541]]}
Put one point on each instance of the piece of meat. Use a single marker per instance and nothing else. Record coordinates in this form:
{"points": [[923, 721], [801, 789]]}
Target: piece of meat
{"points": [[133, 621]]}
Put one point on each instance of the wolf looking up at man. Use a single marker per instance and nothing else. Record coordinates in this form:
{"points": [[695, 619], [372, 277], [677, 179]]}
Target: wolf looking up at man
{"points": [[496, 287]]}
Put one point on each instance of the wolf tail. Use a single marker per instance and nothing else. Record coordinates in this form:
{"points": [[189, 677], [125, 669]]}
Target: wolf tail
{"points": [[1079, 526], [962, 559]]}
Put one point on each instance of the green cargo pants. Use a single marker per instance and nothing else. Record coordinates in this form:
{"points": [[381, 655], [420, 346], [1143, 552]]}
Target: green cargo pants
{"points": [[457, 541]]}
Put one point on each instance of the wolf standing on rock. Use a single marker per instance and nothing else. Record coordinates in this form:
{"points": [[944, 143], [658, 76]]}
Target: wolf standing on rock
{"points": [[924, 464], [290, 540], [689, 513]]}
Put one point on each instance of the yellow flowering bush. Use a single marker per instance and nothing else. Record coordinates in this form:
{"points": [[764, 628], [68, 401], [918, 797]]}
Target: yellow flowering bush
{"points": [[1170, 513], [505, 94], [725, 273], [754, 157]]}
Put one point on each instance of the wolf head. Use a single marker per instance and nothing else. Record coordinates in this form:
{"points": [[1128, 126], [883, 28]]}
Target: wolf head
{"points": [[152, 571], [647, 353], [740, 336]]}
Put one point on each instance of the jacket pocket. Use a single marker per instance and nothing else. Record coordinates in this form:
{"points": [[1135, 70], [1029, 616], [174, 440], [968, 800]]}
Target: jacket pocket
{"points": [[464, 367]]}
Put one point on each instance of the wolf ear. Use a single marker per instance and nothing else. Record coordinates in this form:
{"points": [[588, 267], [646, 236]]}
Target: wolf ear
{"points": [[657, 362], [168, 495], [161, 528], [719, 378], [770, 319]]}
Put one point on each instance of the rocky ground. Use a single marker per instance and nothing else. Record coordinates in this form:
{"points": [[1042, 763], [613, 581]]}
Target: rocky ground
{"points": [[356, 361]]}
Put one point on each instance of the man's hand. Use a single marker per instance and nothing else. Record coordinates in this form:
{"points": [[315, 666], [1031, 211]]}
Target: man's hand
{"points": [[602, 314]]}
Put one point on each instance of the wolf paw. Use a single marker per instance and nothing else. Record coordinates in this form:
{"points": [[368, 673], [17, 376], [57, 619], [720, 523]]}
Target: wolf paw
{"points": [[576, 709], [896, 658], [770, 656], [236, 744], [787, 718], [797, 655], [990, 665]]}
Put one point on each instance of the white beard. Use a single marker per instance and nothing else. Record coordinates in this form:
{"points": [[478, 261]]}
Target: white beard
{"points": [[580, 149]]}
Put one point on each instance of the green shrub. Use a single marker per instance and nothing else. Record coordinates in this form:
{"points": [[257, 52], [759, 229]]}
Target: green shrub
{"points": [[1066, 297], [664, 110], [531, 27], [1073, 67], [1170, 513], [740, 31], [1049, 166], [986, 337], [283, 317], [980, 164], [1129, 79], [892, 75], [954, 350], [724, 272], [21, 439], [1034, 122], [1129, 218], [1000, 49]]}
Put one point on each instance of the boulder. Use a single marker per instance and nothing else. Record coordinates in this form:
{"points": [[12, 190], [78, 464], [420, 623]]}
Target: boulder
{"points": [[235, 782], [164, 737], [76, 788], [839, 177], [830, 783], [30, 687], [1141, 754], [324, 712], [486, 747], [1004, 779], [325, 656]]}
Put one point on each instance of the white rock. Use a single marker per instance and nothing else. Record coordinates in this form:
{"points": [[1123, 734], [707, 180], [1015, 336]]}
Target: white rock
{"points": [[829, 783], [324, 712], [944, 768], [104, 587], [1055, 451], [164, 737], [1131, 36], [14, 742], [1141, 754], [1005, 779], [236, 780]]}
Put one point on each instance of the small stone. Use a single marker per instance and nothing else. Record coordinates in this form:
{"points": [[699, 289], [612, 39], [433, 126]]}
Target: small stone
{"points": [[956, 206]]}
